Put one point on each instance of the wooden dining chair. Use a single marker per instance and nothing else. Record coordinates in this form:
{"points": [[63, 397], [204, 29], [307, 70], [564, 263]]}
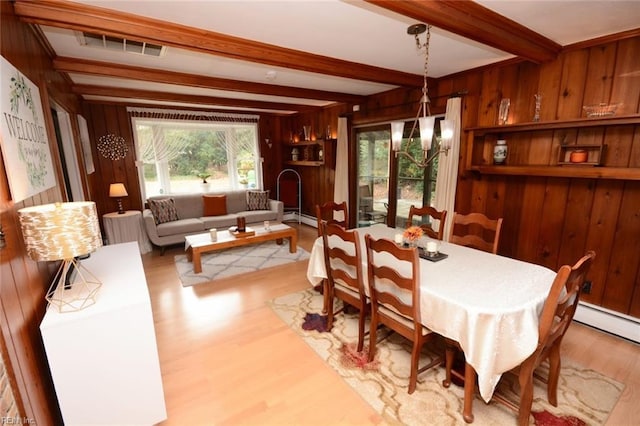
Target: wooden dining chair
{"points": [[345, 279], [557, 314], [433, 214], [395, 299], [325, 212], [476, 230]]}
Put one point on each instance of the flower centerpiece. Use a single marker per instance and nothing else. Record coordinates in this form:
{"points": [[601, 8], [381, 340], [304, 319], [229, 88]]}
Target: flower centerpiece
{"points": [[412, 234]]}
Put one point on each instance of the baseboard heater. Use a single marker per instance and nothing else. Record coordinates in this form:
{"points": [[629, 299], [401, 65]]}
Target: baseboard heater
{"points": [[609, 321]]}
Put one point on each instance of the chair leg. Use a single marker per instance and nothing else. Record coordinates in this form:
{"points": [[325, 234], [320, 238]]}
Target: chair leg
{"points": [[415, 357], [361, 320], [469, 391], [526, 395], [328, 294], [325, 295], [373, 330], [450, 353], [554, 375]]}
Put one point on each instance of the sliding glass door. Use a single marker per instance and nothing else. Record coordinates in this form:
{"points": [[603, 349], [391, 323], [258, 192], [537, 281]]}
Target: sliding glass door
{"points": [[389, 185], [374, 146]]}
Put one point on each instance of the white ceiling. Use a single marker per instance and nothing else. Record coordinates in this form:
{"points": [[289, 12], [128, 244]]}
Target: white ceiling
{"points": [[350, 30]]}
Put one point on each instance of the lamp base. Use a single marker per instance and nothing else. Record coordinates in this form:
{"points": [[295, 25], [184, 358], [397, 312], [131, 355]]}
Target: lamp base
{"points": [[120, 209], [76, 295]]}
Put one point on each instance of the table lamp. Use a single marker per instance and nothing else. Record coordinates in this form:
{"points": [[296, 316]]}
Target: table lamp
{"points": [[117, 190], [67, 232]]}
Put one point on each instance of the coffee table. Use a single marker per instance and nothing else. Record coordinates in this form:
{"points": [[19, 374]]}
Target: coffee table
{"points": [[197, 244]]}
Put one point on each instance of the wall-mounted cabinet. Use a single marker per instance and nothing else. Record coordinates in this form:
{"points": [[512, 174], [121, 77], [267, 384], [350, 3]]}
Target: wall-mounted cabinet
{"points": [[305, 153], [546, 148]]}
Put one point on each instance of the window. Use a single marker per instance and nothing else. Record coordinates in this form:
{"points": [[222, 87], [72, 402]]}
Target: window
{"points": [[380, 191], [177, 156]]}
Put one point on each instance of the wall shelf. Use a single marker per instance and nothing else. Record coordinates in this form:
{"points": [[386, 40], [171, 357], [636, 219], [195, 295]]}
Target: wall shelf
{"points": [[480, 142], [310, 153], [559, 124], [571, 171]]}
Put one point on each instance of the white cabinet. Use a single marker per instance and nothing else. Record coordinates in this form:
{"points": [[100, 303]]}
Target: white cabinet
{"points": [[104, 359]]}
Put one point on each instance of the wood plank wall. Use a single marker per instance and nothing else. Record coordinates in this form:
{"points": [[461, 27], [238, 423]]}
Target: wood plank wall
{"points": [[23, 281], [553, 221]]}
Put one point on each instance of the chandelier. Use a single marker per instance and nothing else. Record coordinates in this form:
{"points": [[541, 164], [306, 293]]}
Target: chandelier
{"points": [[424, 120]]}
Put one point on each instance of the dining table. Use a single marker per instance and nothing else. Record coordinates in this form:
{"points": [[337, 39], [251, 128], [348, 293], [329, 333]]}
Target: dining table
{"points": [[489, 304]]}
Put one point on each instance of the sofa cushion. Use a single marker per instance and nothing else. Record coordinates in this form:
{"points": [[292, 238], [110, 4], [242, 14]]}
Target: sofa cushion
{"points": [[257, 200], [214, 205], [164, 210], [220, 222], [236, 201], [182, 226]]}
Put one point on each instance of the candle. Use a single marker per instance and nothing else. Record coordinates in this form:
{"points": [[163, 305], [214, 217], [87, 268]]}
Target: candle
{"points": [[432, 247], [213, 232], [398, 238]]}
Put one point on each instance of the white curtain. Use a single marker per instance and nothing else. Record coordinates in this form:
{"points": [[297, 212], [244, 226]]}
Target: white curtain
{"points": [[447, 179], [341, 187]]}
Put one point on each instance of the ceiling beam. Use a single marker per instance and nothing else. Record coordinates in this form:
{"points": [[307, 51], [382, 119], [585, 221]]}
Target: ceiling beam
{"points": [[475, 22], [91, 90], [81, 66], [80, 17]]}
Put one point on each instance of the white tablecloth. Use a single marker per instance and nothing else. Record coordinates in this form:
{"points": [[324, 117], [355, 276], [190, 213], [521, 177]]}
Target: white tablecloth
{"points": [[125, 228], [488, 303]]}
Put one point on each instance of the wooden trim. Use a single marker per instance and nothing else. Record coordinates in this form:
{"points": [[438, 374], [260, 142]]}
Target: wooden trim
{"points": [[478, 23], [577, 171], [71, 65], [81, 17], [558, 124], [611, 38], [89, 90]]}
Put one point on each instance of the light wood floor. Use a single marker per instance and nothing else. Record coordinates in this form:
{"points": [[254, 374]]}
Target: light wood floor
{"points": [[227, 359]]}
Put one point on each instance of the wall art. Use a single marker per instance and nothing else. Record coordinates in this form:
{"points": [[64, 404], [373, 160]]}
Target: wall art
{"points": [[25, 144]]}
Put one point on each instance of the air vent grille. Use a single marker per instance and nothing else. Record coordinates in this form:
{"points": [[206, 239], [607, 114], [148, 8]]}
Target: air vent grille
{"points": [[120, 44]]}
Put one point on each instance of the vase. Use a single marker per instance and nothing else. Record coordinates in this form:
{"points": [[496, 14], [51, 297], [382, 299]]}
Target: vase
{"points": [[500, 152]]}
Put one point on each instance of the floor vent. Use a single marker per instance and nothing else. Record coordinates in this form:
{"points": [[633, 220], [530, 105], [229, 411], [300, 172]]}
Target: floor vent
{"points": [[120, 44]]}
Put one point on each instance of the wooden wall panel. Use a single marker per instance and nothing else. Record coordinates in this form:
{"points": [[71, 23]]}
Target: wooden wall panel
{"points": [[625, 87], [622, 277], [603, 218], [551, 221], [25, 282]]}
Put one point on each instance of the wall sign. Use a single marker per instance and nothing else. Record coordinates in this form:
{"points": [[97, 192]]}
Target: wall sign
{"points": [[25, 144]]}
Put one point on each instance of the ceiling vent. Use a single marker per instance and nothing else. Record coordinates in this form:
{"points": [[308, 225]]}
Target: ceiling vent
{"points": [[120, 44]]}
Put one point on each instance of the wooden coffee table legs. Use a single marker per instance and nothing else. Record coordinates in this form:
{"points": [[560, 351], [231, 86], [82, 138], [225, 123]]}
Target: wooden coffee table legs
{"points": [[194, 256]]}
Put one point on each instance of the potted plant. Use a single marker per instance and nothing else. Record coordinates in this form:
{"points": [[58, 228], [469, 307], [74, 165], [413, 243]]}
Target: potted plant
{"points": [[203, 176], [204, 184]]}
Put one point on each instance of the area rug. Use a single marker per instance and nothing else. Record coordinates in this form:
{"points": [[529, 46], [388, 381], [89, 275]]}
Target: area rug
{"points": [[584, 396], [237, 260]]}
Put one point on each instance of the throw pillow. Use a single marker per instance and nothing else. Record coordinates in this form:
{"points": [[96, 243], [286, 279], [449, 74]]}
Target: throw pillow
{"points": [[257, 200], [214, 205], [164, 210]]}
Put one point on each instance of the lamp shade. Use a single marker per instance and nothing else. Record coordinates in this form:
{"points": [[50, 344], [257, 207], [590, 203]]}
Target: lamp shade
{"points": [[61, 230], [446, 133], [117, 190], [426, 131], [397, 131]]}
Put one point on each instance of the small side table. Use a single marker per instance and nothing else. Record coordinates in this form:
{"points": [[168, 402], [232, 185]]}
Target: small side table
{"points": [[126, 227]]}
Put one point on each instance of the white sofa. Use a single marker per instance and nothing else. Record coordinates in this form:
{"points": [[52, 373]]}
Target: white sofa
{"points": [[190, 220]]}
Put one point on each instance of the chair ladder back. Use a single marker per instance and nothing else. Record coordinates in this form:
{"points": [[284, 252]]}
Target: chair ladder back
{"points": [[561, 304], [483, 233], [434, 214], [325, 214], [337, 251], [386, 283]]}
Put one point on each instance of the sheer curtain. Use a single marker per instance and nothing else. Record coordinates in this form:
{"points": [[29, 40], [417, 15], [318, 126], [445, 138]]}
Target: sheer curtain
{"points": [[341, 187], [447, 179]]}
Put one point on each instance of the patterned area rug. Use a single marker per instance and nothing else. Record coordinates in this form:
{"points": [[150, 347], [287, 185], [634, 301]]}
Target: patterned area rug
{"points": [[237, 260], [583, 395]]}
